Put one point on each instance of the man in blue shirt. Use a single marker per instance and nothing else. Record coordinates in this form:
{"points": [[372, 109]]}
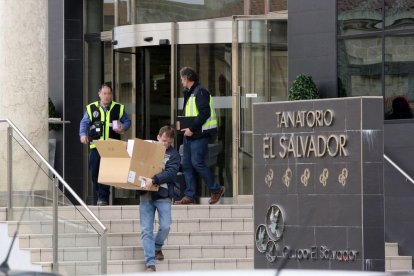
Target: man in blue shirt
{"points": [[102, 119]]}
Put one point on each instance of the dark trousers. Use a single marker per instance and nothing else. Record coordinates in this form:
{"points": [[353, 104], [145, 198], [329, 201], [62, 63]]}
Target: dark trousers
{"points": [[101, 191], [194, 156]]}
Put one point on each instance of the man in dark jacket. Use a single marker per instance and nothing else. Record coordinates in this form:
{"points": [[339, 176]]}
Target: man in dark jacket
{"points": [[198, 104], [159, 201]]}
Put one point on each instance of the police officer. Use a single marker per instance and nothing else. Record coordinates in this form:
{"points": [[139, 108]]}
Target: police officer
{"points": [[97, 124], [197, 104]]}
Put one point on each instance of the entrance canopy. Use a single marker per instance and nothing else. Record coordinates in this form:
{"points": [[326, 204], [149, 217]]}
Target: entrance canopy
{"points": [[194, 32]]}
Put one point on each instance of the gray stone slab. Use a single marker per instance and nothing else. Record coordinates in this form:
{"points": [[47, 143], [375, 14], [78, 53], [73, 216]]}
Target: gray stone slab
{"points": [[318, 168]]}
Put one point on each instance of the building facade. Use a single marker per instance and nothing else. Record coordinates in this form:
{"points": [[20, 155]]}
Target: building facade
{"points": [[246, 51]]}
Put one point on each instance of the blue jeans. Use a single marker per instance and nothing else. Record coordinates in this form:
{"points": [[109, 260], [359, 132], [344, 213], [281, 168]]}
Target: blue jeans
{"points": [[101, 191], [147, 209], [194, 155]]}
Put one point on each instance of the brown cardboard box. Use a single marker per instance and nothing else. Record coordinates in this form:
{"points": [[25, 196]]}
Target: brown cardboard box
{"points": [[120, 170]]}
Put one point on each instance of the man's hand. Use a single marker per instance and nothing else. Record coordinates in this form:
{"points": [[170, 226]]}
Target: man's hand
{"points": [[148, 183], [84, 140], [187, 132], [120, 129]]}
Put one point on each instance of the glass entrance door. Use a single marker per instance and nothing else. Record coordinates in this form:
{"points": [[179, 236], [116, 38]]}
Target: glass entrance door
{"points": [[142, 83], [125, 87], [259, 72], [153, 90]]}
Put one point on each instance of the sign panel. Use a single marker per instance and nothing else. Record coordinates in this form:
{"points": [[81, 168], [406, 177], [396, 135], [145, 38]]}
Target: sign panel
{"points": [[318, 178]]}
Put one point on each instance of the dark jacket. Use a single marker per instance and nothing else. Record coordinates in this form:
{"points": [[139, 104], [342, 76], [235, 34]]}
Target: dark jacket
{"points": [[168, 175], [203, 105]]}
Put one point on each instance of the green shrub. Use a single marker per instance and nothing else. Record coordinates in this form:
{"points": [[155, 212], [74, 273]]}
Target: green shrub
{"points": [[303, 88]]}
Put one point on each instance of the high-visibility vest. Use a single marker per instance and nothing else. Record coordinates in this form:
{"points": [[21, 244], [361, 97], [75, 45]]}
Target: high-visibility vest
{"points": [[97, 113], [191, 110]]}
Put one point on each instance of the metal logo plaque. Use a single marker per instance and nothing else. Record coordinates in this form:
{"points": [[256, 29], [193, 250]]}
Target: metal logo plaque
{"points": [[275, 222], [268, 234], [261, 238]]}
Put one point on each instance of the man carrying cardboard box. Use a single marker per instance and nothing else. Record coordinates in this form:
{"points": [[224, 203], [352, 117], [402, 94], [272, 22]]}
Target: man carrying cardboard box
{"points": [[102, 119], [159, 201]]}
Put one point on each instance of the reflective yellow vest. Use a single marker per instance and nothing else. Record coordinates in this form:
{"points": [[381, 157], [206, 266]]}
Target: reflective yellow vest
{"points": [[191, 110], [111, 114]]}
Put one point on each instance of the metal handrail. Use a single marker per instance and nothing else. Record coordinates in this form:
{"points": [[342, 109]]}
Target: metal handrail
{"points": [[407, 177], [67, 187]]}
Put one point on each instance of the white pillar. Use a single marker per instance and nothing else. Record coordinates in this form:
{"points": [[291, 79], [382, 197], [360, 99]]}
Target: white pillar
{"points": [[24, 86]]}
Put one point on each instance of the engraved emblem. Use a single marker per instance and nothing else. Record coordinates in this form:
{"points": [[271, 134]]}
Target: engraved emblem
{"points": [[95, 114], [305, 177], [323, 178], [271, 251], [261, 238], [287, 177], [269, 177], [275, 222], [343, 176], [268, 235]]}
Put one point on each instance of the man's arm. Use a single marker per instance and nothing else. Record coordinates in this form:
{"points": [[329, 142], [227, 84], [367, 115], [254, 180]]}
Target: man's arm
{"points": [[125, 123], [83, 128], [169, 174]]}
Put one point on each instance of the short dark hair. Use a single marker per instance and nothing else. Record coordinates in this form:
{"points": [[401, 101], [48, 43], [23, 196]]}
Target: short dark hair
{"points": [[105, 85], [168, 130], [189, 73]]}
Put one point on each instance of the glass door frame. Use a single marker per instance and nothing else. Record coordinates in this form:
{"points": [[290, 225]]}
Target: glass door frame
{"points": [[168, 34], [177, 34], [236, 97]]}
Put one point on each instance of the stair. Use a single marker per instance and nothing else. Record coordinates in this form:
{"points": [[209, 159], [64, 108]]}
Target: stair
{"points": [[202, 237], [394, 262]]}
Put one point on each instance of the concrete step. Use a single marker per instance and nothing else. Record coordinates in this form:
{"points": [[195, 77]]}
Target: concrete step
{"points": [[391, 249], [202, 237], [398, 263], [132, 225], [128, 239], [136, 252], [131, 212], [131, 266]]}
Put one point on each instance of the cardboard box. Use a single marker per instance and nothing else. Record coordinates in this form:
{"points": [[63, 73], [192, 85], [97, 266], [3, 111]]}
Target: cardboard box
{"points": [[121, 170]]}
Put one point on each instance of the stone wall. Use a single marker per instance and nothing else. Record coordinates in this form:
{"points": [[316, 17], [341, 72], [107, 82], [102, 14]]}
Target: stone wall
{"points": [[24, 86]]}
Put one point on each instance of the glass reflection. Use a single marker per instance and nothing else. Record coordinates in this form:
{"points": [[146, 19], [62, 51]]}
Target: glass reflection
{"points": [[108, 15], [124, 12], [399, 14], [277, 5], [360, 67], [149, 11], [399, 76], [359, 16]]}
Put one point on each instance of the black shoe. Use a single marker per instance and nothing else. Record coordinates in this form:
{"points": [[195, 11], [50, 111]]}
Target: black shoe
{"points": [[150, 268], [158, 255]]}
